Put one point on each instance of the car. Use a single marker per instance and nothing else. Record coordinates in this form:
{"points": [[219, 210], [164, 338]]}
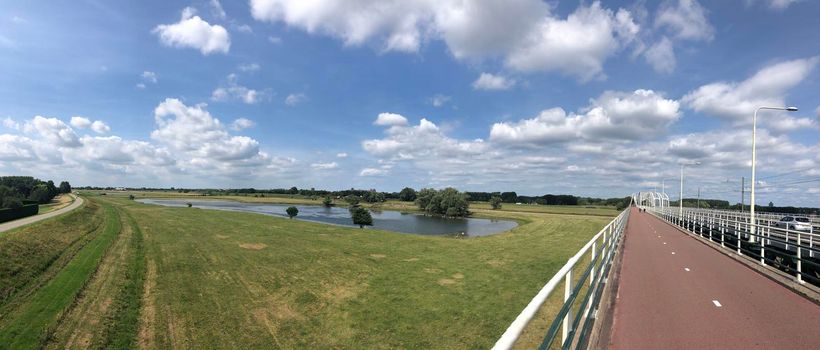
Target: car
{"points": [[795, 223]]}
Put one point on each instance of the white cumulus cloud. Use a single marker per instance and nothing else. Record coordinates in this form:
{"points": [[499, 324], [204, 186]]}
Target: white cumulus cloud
{"points": [[487, 81], [685, 20], [193, 32], [736, 101]]}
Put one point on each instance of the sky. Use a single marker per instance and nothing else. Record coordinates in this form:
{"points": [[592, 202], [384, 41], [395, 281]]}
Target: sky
{"points": [[587, 98]]}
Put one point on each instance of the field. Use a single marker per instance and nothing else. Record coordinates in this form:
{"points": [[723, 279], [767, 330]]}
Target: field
{"points": [[157, 277]]}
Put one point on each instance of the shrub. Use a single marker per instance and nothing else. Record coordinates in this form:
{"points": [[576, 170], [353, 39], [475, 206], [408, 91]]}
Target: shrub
{"points": [[131, 196], [328, 201], [447, 202], [361, 217], [495, 202], [189, 204], [292, 211]]}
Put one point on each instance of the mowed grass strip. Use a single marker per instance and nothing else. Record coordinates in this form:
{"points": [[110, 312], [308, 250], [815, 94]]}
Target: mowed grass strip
{"points": [[31, 323], [240, 280], [31, 255], [107, 310]]}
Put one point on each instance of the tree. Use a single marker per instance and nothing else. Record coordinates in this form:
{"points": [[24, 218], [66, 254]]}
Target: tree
{"points": [[131, 196], [509, 197], [495, 202], [65, 187], [41, 194], [292, 211], [771, 204], [425, 197], [373, 197], [361, 217], [328, 202], [352, 200], [447, 202], [293, 190], [407, 194]]}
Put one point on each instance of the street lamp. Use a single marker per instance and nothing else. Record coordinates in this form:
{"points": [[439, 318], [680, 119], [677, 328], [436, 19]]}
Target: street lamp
{"points": [[680, 204], [752, 220]]}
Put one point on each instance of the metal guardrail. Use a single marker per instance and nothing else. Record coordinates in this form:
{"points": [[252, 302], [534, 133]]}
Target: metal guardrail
{"points": [[791, 251], [602, 249]]}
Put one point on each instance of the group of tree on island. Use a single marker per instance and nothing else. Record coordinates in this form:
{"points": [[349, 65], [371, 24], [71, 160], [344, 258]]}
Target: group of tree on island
{"points": [[16, 191]]}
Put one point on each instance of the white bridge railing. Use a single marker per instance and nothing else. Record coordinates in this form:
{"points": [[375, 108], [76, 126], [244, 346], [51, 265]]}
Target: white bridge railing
{"points": [[792, 251], [600, 249]]}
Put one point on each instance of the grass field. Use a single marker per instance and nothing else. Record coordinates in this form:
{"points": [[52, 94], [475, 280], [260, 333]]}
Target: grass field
{"points": [[192, 278]]}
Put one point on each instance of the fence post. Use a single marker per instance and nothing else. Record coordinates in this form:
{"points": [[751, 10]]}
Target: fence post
{"points": [[567, 292], [799, 260]]}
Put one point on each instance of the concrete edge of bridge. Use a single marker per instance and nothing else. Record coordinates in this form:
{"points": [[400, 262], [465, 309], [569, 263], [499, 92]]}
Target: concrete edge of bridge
{"points": [[601, 332], [806, 291]]}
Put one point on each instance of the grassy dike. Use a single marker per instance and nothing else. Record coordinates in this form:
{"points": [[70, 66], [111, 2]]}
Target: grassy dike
{"points": [[31, 323]]}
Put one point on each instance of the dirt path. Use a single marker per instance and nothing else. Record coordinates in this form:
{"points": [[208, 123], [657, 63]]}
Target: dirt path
{"points": [[676, 293]]}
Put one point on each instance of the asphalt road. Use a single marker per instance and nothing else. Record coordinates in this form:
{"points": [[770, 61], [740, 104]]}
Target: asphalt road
{"points": [[78, 201], [676, 293]]}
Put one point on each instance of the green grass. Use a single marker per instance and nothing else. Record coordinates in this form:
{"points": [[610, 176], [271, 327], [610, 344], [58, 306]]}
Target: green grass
{"points": [[30, 324], [226, 280], [32, 254], [158, 277]]}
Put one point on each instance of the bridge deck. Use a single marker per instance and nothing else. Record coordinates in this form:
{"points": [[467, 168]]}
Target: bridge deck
{"points": [[676, 293]]}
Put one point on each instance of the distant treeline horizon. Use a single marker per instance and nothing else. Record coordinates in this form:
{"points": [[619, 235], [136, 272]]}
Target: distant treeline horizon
{"points": [[510, 197]]}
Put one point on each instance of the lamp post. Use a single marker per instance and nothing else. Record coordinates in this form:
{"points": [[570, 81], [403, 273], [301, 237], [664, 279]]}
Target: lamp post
{"points": [[680, 202], [752, 220]]}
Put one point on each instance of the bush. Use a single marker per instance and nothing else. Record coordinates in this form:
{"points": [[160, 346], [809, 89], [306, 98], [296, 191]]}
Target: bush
{"points": [[495, 202], [352, 200], [292, 211], [328, 202], [189, 204], [131, 197], [361, 217]]}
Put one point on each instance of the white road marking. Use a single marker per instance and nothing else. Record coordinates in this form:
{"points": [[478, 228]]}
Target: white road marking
{"points": [[717, 303], [673, 253], [664, 242], [686, 269]]}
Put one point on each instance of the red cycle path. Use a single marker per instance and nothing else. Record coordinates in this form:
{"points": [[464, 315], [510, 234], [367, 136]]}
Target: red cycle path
{"points": [[661, 305]]}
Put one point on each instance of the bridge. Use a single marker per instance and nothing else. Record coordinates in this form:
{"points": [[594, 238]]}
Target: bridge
{"points": [[661, 277]]}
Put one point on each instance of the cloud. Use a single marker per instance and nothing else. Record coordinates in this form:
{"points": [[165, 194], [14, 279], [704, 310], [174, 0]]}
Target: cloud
{"points": [[487, 81], [737, 101], [533, 39], [275, 40], [244, 28], [97, 126], [373, 172], [233, 91], [777, 5], [249, 67], [16, 148], [661, 56], [149, 77], [785, 124], [439, 100], [295, 99], [80, 122], [54, 131], [324, 166], [637, 115], [11, 124], [341, 155], [390, 119], [686, 20], [217, 10], [100, 127], [193, 32], [241, 124]]}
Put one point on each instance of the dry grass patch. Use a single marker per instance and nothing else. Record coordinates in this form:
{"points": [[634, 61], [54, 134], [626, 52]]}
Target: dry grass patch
{"points": [[253, 246], [378, 256]]}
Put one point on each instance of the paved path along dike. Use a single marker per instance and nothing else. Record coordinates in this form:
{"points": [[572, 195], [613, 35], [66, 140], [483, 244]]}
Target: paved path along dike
{"points": [[78, 201], [677, 293]]}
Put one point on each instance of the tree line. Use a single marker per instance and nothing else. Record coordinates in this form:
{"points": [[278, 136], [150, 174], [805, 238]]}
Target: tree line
{"points": [[16, 191]]}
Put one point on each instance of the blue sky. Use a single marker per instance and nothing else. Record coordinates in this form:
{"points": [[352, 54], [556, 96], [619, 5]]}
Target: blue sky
{"points": [[587, 98]]}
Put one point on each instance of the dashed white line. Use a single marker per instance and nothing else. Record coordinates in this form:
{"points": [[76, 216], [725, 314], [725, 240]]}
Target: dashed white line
{"points": [[673, 253], [686, 269], [664, 242], [717, 303]]}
